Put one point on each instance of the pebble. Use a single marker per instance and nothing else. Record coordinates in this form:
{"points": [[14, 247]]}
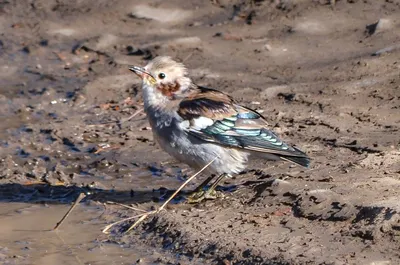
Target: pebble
{"points": [[164, 15], [379, 26]]}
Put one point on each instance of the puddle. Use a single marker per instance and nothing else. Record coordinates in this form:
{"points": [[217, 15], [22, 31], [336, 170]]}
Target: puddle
{"points": [[26, 237]]}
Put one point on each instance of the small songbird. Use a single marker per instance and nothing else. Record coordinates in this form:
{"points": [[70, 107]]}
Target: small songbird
{"points": [[196, 124]]}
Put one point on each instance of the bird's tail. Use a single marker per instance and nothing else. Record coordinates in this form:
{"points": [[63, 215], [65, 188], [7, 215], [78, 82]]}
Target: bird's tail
{"points": [[299, 160], [299, 157]]}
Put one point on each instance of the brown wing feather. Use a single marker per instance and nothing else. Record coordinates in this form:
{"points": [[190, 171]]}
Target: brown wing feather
{"points": [[234, 126], [207, 102]]}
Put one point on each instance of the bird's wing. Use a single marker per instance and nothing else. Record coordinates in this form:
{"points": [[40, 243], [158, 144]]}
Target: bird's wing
{"points": [[214, 117]]}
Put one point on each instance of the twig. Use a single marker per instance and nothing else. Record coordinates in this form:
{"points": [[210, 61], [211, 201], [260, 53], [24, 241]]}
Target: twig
{"points": [[101, 149], [132, 116], [60, 56], [185, 183], [77, 201], [119, 121], [145, 215], [187, 57], [123, 220], [386, 50], [127, 206], [78, 260]]}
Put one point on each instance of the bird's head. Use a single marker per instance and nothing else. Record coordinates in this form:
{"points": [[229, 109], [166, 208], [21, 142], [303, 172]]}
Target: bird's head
{"points": [[163, 80]]}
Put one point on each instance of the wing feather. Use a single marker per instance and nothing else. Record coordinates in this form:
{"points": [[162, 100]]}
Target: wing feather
{"points": [[226, 123]]}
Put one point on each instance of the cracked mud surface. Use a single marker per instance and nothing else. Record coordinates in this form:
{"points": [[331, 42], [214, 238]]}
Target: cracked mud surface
{"points": [[325, 74]]}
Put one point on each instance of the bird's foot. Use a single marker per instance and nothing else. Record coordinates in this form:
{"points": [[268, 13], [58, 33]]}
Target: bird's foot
{"points": [[199, 196]]}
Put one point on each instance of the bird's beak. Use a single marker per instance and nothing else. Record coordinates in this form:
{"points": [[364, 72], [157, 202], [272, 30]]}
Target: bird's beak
{"points": [[142, 73]]}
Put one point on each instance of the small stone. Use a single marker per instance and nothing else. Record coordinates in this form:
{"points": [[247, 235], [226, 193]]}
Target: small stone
{"points": [[381, 25], [267, 47], [162, 15]]}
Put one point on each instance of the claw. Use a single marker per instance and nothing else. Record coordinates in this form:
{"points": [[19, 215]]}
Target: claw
{"points": [[199, 196]]}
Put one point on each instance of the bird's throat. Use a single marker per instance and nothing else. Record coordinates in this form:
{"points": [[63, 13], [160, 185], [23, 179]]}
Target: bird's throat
{"points": [[169, 89]]}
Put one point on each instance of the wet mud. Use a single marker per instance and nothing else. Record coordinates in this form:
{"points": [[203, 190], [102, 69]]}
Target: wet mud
{"points": [[325, 74]]}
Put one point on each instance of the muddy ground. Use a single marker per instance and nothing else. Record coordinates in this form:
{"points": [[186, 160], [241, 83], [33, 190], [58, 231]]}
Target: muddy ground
{"points": [[324, 75]]}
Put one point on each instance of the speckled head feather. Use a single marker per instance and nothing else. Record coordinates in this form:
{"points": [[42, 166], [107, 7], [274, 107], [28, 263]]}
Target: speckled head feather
{"points": [[171, 76], [163, 64], [164, 80]]}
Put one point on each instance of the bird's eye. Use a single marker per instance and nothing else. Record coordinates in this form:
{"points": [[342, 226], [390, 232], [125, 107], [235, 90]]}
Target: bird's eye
{"points": [[161, 75]]}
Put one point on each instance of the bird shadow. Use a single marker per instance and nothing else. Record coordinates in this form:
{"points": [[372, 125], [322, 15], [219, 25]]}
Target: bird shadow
{"points": [[49, 194], [59, 194]]}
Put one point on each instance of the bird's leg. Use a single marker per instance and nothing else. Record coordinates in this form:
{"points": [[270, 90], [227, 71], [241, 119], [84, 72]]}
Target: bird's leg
{"points": [[212, 190], [203, 184], [210, 193]]}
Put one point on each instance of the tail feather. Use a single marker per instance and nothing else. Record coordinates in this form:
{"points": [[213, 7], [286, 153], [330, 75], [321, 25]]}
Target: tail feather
{"points": [[299, 160], [298, 157]]}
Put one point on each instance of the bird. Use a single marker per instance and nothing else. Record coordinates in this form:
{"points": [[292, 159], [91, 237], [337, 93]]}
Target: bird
{"points": [[196, 124]]}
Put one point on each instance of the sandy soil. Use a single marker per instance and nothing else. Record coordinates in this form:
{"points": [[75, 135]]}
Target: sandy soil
{"points": [[324, 74]]}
